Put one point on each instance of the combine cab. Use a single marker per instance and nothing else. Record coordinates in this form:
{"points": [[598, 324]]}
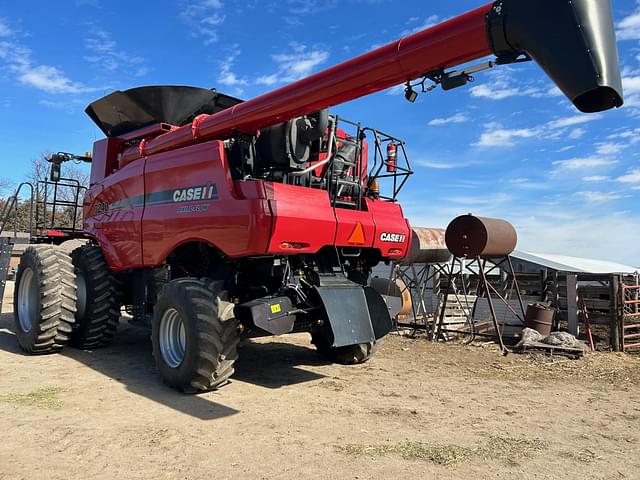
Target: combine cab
{"points": [[210, 218]]}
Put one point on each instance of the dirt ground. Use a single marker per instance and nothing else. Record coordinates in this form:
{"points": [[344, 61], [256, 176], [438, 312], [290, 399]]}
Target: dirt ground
{"points": [[417, 410]]}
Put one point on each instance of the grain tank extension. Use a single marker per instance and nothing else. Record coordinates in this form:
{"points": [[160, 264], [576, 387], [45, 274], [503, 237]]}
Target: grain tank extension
{"points": [[211, 218]]}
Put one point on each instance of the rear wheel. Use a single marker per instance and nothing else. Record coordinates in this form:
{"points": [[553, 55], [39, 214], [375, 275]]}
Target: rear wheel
{"points": [[194, 335], [44, 299], [348, 355], [98, 307]]}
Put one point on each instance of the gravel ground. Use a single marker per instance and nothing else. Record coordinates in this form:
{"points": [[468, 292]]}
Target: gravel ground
{"points": [[417, 410]]}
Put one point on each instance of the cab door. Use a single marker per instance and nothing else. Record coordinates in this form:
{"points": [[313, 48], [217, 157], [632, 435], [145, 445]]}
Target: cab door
{"points": [[113, 215]]}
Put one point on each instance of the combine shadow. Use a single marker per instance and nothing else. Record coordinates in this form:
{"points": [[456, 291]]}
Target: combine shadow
{"points": [[129, 361], [275, 364]]}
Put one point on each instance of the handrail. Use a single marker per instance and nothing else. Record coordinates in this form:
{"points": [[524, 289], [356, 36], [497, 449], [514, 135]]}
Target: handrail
{"points": [[11, 204]]}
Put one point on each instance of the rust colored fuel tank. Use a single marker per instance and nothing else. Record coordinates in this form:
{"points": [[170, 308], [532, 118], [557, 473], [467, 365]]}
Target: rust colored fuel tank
{"points": [[427, 246], [470, 237]]}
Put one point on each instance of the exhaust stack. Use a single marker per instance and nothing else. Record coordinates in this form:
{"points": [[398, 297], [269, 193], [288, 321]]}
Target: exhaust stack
{"points": [[572, 40]]}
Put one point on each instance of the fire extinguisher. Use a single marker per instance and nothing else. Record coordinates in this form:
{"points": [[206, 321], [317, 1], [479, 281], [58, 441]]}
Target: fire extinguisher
{"points": [[392, 158]]}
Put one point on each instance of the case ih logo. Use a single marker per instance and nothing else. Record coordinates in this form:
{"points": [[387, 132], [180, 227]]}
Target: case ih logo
{"points": [[195, 194], [393, 237]]}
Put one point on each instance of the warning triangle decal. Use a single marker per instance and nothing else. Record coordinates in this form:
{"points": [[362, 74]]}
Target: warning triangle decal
{"points": [[357, 236]]}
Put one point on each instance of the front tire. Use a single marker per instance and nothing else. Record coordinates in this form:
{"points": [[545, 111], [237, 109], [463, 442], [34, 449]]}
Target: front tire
{"points": [[44, 299], [348, 355], [195, 336]]}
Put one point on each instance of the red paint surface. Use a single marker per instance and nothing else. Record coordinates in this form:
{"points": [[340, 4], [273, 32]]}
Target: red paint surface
{"points": [[247, 218]]}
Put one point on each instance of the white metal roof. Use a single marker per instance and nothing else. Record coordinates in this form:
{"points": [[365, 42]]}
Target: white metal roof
{"points": [[564, 263]]}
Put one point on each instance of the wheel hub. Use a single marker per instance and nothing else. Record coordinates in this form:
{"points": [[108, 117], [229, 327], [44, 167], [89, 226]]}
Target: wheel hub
{"points": [[172, 338], [28, 300]]}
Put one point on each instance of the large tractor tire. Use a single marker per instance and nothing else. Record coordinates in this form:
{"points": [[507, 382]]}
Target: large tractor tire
{"points": [[195, 336], [98, 307], [44, 299], [349, 355]]}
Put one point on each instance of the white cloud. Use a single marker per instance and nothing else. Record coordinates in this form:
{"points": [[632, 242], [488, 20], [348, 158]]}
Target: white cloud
{"points": [[633, 135], [600, 197], [295, 9], [500, 137], [18, 61], [566, 149], [609, 148], [428, 23], [228, 77], [577, 133], [294, 66], [457, 118], [596, 179], [584, 163], [5, 31], [632, 177], [497, 136], [631, 85], [501, 85], [104, 53], [50, 79], [583, 235], [203, 17], [572, 121], [629, 27], [439, 165]]}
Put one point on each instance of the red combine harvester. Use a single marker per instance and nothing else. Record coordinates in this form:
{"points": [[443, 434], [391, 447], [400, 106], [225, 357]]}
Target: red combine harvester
{"points": [[213, 218]]}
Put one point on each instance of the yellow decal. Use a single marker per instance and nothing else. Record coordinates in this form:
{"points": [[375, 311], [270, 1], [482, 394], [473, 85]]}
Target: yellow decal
{"points": [[276, 308]]}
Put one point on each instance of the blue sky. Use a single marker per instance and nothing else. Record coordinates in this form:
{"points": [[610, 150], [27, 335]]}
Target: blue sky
{"points": [[508, 145]]}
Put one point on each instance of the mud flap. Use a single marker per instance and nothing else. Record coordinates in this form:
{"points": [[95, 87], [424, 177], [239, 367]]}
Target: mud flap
{"points": [[356, 314]]}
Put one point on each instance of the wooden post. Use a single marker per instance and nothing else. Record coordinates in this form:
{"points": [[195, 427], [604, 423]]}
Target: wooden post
{"points": [[614, 322], [544, 285], [572, 303]]}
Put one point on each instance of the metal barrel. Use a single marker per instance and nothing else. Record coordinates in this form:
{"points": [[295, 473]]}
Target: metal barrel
{"points": [[471, 237], [540, 318], [427, 246]]}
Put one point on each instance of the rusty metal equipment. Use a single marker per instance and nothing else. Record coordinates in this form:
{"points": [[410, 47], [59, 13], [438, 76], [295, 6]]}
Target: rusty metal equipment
{"points": [[469, 237], [540, 318], [427, 246], [416, 279], [482, 246]]}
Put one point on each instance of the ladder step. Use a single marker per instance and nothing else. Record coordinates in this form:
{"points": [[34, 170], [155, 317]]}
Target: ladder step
{"points": [[351, 183], [346, 203]]}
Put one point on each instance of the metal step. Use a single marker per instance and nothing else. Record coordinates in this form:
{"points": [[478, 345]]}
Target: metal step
{"points": [[346, 203], [350, 183], [6, 248]]}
